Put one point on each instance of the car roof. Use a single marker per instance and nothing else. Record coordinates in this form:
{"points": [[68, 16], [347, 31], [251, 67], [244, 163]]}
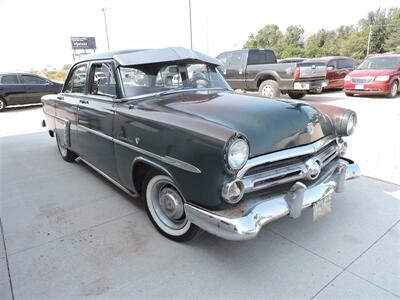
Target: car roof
{"points": [[147, 56], [328, 58], [383, 55], [18, 73]]}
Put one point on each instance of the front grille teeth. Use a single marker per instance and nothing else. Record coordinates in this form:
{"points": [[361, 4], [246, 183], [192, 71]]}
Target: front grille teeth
{"points": [[279, 173]]}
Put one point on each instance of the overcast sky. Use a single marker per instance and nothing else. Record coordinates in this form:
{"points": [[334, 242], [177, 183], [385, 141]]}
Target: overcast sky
{"points": [[36, 33]]}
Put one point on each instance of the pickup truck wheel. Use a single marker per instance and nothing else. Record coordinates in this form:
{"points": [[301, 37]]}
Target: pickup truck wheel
{"points": [[393, 90], [269, 88], [2, 104], [296, 95], [65, 153], [165, 208]]}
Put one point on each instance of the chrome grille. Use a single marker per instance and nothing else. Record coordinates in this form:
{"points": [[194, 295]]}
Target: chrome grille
{"points": [[361, 79], [288, 170]]}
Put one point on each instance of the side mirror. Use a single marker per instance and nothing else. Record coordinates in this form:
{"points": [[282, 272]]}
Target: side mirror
{"points": [[330, 68]]}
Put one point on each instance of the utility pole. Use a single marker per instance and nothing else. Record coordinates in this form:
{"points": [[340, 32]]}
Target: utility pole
{"points": [[369, 38], [105, 23], [208, 48], [190, 20]]}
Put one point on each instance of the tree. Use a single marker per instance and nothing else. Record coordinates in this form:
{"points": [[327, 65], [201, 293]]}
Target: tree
{"points": [[392, 42], [321, 44], [377, 21], [355, 45], [292, 44]]}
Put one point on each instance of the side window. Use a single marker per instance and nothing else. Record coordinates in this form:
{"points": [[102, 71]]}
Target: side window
{"points": [[236, 58], [350, 63], [261, 57], [9, 79], [77, 81], [102, 80], [334, 64], [27, 79]]}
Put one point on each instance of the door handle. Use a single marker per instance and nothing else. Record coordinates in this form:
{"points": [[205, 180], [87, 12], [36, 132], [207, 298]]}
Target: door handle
{"points": [[84, 101]]}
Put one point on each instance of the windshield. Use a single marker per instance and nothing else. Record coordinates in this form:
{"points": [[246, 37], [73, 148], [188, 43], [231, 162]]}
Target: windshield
{"points": [[380, 63], [158, 78]]}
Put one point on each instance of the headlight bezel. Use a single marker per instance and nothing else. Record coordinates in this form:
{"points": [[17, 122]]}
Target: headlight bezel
{"points": [[346, 124], [234, 141]]}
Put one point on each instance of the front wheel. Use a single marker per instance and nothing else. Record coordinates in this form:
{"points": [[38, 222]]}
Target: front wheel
{"points": [[393, 89], [165, 208], [65, 153], [296, 95]]}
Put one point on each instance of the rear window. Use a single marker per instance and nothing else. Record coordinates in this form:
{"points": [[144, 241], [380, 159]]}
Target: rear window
{"points": [[9, 79], [260, 57]]}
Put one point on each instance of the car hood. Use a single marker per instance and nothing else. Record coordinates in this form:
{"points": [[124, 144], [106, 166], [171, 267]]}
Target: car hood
{"points": [[268, 124], [370, 72]]}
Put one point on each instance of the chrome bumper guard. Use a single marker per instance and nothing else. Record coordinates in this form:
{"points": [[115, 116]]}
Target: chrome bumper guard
{"points": [[245, 220]]}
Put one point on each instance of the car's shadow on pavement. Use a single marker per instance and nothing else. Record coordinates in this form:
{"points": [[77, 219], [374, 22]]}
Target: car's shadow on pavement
{"points": [[21, 108]]}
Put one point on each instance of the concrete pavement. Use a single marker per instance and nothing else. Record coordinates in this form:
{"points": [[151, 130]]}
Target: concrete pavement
{"points": [[69, 233]]}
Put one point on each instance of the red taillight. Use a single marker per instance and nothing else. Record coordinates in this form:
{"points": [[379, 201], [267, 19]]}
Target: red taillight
{"points": [[296, 73]]}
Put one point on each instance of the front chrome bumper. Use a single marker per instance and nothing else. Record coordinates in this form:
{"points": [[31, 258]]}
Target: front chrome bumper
{"points": [[246, 219]]}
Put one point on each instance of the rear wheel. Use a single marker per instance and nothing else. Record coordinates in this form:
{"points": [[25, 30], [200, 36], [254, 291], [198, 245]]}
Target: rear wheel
{"points": [[2, 104], [393, 89], [269, 88], [165, 208], [296, 95], [65, 153]]}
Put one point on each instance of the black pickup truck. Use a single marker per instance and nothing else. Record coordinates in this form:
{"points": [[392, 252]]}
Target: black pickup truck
{"points": [[257, 69]]}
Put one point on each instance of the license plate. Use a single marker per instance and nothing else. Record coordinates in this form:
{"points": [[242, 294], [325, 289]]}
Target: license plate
{"points": [[301, 86], [359, 86], [322, 207]]}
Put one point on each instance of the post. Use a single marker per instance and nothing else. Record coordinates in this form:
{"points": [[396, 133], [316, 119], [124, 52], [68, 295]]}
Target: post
{"points": [[369, 38], [190, 20], [105, 23], [208, 48]]}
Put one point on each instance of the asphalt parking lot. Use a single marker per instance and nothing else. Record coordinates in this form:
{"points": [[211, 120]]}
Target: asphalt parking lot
{"points": [[68, 233]]}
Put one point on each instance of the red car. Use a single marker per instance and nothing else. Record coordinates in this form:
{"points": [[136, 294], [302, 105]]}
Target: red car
{"points": [[337, 69], [377, 75]]}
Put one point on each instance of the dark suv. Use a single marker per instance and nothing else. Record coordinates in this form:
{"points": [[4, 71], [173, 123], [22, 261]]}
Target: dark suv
{"points": [[19, 88]]}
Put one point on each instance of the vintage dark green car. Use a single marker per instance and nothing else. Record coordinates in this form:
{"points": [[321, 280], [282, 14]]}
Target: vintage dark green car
{"points": [[164, 124]]}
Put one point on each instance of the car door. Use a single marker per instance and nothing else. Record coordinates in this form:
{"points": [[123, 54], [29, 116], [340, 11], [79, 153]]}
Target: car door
{"points": [[36, 87], [67, 106], [345, 65], [95, 119], [14, 92], [235, 69], [332, 73]]}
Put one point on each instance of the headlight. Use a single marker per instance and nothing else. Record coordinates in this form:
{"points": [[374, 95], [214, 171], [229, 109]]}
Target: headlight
{"points": [[237, 154], [346, 124], [382, 78], [347, 78]]}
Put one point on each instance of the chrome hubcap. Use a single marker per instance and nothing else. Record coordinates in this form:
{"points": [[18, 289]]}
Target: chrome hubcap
{"points": [[1, 105], [267, 91], [168, 205], [171, 203]]}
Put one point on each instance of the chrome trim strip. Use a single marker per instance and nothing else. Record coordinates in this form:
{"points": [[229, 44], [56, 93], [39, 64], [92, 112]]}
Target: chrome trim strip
{"points": [[244, 221], [166, 159], [95, 132], [108, 177], [285, 154]]}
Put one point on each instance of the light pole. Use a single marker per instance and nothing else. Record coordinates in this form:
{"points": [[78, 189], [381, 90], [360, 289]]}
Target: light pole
{"points": [[105, 23], [190, 20], [369, 38], [208, 47]]}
